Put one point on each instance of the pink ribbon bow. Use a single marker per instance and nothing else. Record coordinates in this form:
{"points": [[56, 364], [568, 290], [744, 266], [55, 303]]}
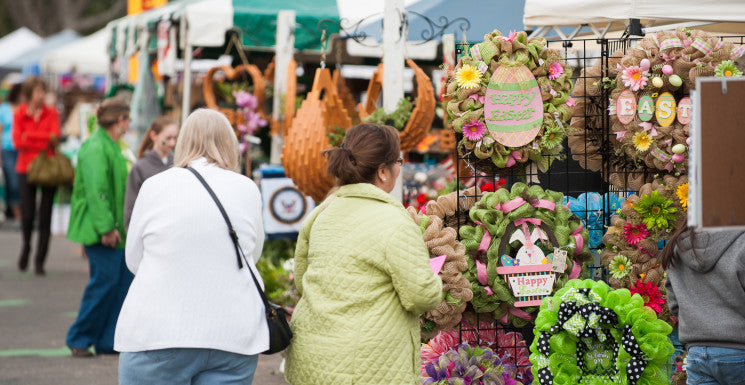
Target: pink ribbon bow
{"points": [[620, 134], [647, 126], [514, 157], [481, 275], [579, 242], [477, 97]]}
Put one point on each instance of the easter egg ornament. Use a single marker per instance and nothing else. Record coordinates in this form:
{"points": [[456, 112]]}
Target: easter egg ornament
{"points": [[513, 109], [645, 109], [626, 107], [665, 109]]}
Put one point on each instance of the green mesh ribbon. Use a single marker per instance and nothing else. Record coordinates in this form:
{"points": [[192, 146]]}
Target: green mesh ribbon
{"points": [[588, 333], [497, 297]]}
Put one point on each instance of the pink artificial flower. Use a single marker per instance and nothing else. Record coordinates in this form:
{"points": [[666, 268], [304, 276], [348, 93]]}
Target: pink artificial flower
{"points": [[635, 234], [511, 37], [437, 346], [245, 99], [474, 130], [477, 97], [555, 70], [634, 78]]}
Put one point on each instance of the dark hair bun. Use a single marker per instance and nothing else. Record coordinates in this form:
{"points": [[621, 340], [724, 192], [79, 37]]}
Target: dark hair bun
{"points": [[365, 148]]}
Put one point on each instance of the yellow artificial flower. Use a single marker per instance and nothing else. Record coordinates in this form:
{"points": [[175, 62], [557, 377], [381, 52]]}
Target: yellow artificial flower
{"points": [[468, 76], [642, 141], [682, 193]]}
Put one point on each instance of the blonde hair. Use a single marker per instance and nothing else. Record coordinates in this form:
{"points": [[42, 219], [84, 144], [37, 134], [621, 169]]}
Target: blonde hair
{"points": [[207, 133]]}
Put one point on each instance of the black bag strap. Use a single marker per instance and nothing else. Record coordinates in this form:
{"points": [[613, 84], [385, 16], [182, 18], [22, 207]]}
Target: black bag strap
{"points": [[233, 236]]}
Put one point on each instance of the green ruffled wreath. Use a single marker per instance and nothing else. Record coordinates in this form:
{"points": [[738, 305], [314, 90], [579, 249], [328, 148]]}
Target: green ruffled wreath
{"points": [[588, 333], [467, 85], [494, 213]]}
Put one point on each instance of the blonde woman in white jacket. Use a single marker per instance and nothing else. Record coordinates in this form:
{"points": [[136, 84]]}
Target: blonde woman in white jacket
{"points": [[191, 315]]}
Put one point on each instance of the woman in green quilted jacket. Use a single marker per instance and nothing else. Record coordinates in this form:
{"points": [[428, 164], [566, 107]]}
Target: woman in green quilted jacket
{"points": [[97, 221], [362, 270]]}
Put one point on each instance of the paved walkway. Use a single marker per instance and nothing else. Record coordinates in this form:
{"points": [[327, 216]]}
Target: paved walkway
{"points": [[35, 313]]}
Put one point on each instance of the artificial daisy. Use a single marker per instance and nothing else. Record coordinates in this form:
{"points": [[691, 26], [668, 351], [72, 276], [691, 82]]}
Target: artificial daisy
{"points": [[474, 130], [642, 141], [634, 78], [555, 70], [650, 293], [468, 76], [552, 137], [726, 69], [635, 234], [619, 267], [656, 211], [682, 193]]}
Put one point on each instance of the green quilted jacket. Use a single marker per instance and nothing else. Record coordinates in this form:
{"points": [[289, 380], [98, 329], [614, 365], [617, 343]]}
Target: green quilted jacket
{"points": [[97, 204], [363, 273]]}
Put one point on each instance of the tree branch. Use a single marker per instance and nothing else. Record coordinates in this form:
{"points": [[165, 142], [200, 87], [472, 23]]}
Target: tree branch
{"points": [[117, 10]]}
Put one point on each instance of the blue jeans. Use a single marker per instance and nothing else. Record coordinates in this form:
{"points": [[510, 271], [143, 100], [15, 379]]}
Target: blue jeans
{"points": [[102, 300], [186, 366], [12, 196], [708, 365]]}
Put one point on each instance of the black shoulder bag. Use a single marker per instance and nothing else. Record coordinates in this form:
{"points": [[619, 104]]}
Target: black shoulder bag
{"points": [[276, 317]]}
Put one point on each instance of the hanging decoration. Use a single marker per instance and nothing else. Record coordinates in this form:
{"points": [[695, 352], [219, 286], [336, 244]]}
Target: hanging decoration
{"points": [[633, 241], [449, 262], [509, 98], [652, 87], [524, 244], [422, 114], [587, 333], [307, 137]]}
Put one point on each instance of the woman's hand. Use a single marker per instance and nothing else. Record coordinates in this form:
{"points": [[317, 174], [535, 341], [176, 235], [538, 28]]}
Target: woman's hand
{"points": [[111, 238]]}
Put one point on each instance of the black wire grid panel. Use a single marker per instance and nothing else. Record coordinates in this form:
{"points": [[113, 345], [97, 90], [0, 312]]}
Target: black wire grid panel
{"points": [[567, 175]]}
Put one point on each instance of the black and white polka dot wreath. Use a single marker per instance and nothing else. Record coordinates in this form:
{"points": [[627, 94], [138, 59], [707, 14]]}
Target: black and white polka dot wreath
{"points": [[588, 333]]}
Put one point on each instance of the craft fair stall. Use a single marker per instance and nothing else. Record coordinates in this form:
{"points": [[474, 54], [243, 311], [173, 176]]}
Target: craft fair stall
{"points": [[551, 279]]}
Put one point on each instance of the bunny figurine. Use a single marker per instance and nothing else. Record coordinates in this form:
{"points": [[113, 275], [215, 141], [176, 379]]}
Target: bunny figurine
{"points": [[529, 253]]}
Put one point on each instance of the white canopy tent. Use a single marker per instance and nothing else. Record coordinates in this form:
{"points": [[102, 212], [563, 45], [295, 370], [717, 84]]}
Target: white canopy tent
{"points": [[85, 56], [602, 16], [17, 43]]}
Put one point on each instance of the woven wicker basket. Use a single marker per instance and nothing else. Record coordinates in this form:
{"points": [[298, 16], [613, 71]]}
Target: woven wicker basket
{"points": [[424, 110], [306, 138], [233, 73]]}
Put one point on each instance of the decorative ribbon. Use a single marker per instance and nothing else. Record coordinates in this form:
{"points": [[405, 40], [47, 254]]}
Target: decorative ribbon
{"points": [[477, 97], [648, 126], [579, 243], [702, 46], [656, 41], [482, 277], [671, 43], [543, 204], [620, 134], [476, 52], [668, 58], [517, 313], [483, 67], [523, 222], [510, 205], [687, 42], [514, 157], [576, 269], [718, 45], [697, 62], [559, 122], [663, 157], [485, 240], [687, 57], [737, 51]]}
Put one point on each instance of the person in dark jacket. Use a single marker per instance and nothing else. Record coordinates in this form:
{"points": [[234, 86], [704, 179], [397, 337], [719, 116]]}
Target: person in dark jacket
{"points": [[706, 291], [154, 155]]}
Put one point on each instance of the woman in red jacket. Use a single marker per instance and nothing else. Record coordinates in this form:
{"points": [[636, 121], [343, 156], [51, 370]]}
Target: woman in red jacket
{"points": [[35, 129]]}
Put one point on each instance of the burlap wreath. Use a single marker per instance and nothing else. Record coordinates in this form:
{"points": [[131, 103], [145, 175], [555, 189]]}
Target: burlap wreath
{"points": [[493, 214], [641, 250], [442, 240], [466, 105], [587, 136], [689, 54]]}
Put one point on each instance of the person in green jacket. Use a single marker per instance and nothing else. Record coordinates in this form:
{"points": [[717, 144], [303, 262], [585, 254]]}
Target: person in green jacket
{"points": [[97, 221], [362, 270]]}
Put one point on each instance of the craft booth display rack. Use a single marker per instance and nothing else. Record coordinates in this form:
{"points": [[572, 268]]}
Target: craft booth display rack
{"points": [[588, 166]]}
